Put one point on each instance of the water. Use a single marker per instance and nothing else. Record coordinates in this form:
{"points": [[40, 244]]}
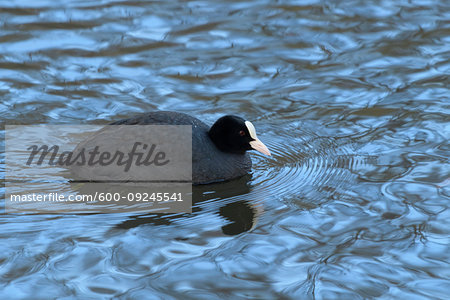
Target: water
{"points": [[351, 97]]}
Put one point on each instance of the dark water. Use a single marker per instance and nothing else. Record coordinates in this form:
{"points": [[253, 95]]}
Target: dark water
{"points": [[351, 97]]}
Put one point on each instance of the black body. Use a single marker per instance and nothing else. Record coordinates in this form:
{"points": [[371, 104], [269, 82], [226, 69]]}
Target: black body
{"points": [[209, 163]]}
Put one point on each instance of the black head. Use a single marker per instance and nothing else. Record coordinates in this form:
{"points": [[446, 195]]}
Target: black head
{"points": [[235, 135]]}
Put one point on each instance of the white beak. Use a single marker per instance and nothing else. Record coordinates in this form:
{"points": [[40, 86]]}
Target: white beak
{"points": [[260, 147], [256, 143]]}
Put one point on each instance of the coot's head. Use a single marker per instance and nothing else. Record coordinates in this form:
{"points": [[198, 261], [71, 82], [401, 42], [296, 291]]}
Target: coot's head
{"points": [[235, 135]]}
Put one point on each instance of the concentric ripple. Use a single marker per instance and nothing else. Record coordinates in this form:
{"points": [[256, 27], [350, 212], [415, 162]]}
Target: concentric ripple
{"points": [[307, 168]]}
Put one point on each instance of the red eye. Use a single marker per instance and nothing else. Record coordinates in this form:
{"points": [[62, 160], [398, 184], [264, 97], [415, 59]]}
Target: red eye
{"points": [[242, 132]]}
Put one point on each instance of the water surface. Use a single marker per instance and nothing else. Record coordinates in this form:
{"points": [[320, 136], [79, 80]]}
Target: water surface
{"points": [[351, 97]]}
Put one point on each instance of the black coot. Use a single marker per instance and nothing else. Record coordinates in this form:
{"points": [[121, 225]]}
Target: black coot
{"points": [[219, 152]]}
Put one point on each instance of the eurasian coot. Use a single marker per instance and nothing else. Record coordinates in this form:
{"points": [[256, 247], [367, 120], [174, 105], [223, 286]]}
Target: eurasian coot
{"points": [[219, 152]]}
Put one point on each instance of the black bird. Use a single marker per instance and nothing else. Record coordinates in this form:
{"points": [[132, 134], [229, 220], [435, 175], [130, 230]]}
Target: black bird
{"points": [[219, 152]]}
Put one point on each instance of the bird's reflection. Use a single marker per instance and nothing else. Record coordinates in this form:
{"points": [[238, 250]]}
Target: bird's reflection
{"points": [[240, 215]]}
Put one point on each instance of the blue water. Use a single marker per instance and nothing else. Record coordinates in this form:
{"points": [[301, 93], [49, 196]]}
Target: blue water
{"points": [[351, 97]]}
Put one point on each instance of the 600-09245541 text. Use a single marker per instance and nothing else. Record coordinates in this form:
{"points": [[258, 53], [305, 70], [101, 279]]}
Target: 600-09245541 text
{"points": [[98, 197]]}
